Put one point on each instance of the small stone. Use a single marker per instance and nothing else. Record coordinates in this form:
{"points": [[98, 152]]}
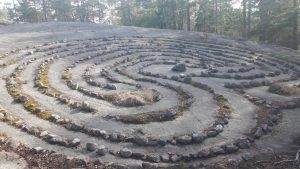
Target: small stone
{"points": [[91, 146], [98, 162], [179, 67], [153, 158], [75, 142], [258, 133], [165, 158], [219, 128], [231, 148], [243, 143], [247, 157], [184, 139], [23, 99], [54, 139], [54, 117], [125, 152], [212, 133], [114, 137], [134, 166], [187, 80], [141, 140], [175, 158], [203, 154], [102, 150], [149, 166], [218, 151], [110, 87], [118, 166], [44, 133], [187, 157], [198, 137], [138, 155], [38, 149]]}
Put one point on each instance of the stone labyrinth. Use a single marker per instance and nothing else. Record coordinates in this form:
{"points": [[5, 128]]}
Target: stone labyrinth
{"points": [[144, 101]]}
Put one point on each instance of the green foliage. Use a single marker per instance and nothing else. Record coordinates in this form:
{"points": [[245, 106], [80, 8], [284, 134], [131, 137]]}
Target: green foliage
{"points": [[4, 17], [27, 12], [264, 20]]}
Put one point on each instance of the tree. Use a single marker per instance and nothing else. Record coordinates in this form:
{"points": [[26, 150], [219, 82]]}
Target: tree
{"points": [[244, 19], [62, 9], [27, 12], [188, 16], [295, 38]]}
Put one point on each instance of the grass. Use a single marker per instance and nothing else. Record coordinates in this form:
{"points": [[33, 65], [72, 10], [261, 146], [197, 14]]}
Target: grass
{"points": [[44, 115], [66, 75], [11, 61]]}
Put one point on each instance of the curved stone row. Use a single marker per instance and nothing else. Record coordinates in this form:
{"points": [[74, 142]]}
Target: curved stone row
{"points": [[209, 55]]}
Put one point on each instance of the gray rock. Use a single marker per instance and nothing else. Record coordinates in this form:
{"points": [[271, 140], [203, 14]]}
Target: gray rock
{"points": [[184, 139], [218, 150], [98, 162], [153, 158], [114, 137], [258, 133], [198, 137], [204, 154], [141, 140], [94, 132], [119, 166], [54, 117], [74, 126], [125, 152], [175, 158], [187, 80], [54, 139], [212, 133], [149, 166], [134, 166], [138, 155], [91, 146], [165, 158], [110, 87], [44, 134], [102, 150], [23, 99], [231, 148], [219, 128], [75, 142], [179, 67], [247, 157], [38, 149], [242, 143]]}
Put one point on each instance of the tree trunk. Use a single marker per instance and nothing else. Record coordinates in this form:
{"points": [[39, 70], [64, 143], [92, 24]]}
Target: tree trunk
{"points": [[188, 22], [216, 16], [249, 17], [244, 32], [45, 11], [295, 26]]}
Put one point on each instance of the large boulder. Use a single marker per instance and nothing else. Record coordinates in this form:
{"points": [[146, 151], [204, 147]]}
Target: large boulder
{"points": [[179, 67]]}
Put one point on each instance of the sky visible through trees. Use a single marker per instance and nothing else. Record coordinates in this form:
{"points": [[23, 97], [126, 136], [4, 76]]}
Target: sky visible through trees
{"points": [[267, 21]]}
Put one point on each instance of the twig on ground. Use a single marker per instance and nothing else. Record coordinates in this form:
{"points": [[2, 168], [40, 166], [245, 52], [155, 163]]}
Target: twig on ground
{"points": [[263, 161]]}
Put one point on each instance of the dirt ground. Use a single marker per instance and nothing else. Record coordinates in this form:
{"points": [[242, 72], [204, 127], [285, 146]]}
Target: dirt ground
{"points": [[103, 61]]}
